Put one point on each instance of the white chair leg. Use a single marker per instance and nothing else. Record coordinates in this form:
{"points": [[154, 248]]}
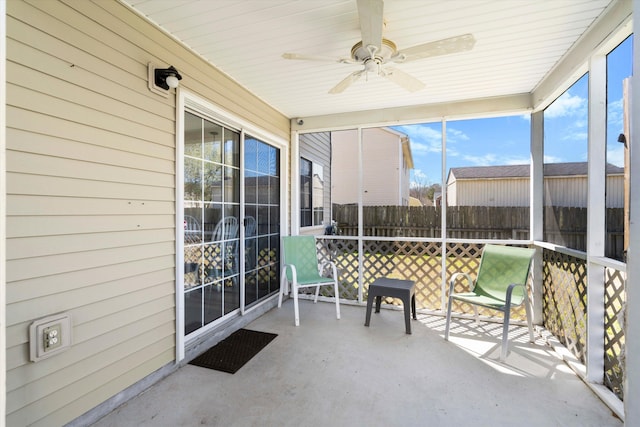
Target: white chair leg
{"points": [[315, 300], [337, 296], [446, 328], [283, 286], [527, 309], [296, 310], [505, 333]]}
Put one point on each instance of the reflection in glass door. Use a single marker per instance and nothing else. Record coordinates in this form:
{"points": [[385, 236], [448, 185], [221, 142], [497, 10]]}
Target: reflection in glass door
{"points": [[211, 221], [261, 220]]}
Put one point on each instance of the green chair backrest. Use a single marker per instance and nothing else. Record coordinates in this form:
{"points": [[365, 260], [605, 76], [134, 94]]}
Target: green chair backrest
{"points": [[301, 251], [501, 266]]}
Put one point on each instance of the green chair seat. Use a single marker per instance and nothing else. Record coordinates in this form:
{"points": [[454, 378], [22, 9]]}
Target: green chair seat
{"points": [[500, 285], [301, 270]]}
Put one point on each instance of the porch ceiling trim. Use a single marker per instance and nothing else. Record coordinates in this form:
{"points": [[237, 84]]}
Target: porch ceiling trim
{"points": [[520, 103]]}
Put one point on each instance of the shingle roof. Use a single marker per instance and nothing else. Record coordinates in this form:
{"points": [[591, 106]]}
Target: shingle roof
{"points": [[522, 171]]}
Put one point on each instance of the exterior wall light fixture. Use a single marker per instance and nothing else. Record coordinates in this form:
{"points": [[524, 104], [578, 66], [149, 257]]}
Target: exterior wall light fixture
{"points": [[163, 79], [167, 77]]}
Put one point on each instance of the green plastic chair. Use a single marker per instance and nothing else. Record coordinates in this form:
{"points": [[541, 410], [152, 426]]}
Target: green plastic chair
{"points": [[501, 284], [301, 271]]}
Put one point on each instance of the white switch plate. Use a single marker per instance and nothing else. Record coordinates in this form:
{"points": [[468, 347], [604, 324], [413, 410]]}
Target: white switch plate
{"points": [[49, 336]]}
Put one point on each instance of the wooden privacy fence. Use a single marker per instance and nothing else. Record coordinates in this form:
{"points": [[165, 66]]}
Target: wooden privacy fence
{"points": [[562, 225]]}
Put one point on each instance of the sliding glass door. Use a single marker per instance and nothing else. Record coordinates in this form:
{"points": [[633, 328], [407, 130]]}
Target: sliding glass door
{"points": [[214, 277]]}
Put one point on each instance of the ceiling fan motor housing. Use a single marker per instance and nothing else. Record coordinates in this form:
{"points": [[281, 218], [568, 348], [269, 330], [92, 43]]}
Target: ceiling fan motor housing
{"points": [[361, 53]]}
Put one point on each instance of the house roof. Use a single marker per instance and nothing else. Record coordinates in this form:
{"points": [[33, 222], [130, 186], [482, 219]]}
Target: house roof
{"points": [[523, 52], [522, 171]]}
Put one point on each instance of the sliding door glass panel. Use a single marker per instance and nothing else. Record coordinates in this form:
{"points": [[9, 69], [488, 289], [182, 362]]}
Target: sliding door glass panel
{"points": [[261, 219], [212, 214]]}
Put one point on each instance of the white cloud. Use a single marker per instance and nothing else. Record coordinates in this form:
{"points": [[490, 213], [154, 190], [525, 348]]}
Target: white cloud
{"points": [[495, 160], [552, 159], [614, 114], [615, 155], [566, 105], [484, 160], [455, 135], [424, 139]]}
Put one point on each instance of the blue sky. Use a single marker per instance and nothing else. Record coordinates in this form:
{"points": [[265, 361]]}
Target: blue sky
{"points": [[505, 140]]}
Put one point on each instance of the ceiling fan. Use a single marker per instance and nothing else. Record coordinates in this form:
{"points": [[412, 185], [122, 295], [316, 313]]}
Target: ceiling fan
{"points": [[375, 52]]}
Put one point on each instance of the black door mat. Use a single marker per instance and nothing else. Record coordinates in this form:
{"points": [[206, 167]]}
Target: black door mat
{"points": [[233, 352]]}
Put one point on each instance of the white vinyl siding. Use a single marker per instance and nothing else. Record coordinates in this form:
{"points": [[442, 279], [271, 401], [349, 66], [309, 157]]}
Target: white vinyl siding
{"points": [[91, 198], [559, 191], [385, 179]]}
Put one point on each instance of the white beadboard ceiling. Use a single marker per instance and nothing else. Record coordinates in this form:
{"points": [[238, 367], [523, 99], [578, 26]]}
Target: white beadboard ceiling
{"points": [[518, 43]]}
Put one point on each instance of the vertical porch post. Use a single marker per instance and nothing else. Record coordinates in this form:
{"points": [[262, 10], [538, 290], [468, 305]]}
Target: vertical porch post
{"points": [[360, 218], [632, 333], [596, 181], [443, 218], [295, 178], [536, 210]]}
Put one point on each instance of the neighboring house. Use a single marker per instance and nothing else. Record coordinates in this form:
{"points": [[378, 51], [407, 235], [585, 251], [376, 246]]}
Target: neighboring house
{"points": [[388, 160], [565, 184]]}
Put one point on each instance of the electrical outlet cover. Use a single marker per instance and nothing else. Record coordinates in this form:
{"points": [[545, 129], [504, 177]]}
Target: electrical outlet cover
{"points": [[49, 336]]}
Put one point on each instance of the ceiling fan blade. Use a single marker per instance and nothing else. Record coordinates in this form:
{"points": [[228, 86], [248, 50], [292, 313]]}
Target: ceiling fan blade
{"points": [[402, 79], [371, 22], [440, 47], [348, 81], [317, 58]]}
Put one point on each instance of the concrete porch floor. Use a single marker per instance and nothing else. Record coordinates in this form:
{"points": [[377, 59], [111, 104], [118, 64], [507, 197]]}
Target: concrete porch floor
{"points": [[330, 372]]}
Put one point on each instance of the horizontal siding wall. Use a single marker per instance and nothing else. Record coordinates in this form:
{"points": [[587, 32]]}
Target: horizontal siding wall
{"points": [[564, 191], [91, 198]]}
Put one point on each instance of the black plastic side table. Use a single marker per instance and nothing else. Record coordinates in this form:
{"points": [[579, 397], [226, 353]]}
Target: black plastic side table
{"points": [[395, 288]]}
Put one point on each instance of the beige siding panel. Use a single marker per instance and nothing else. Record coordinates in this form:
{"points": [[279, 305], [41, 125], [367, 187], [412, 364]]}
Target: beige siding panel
{"points": [[27, 268], [29, 226], [41, 124], [36, 81], [98, 55], [33, 288], [31, 414], [70, 168], [57, 147], [87, 71], [25, 98], [32, 205], [40, 246], [111, 385], [56, 186]]}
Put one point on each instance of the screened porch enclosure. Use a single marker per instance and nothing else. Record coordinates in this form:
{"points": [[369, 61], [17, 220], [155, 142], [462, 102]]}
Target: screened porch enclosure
{"points": [[511, 186]]}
